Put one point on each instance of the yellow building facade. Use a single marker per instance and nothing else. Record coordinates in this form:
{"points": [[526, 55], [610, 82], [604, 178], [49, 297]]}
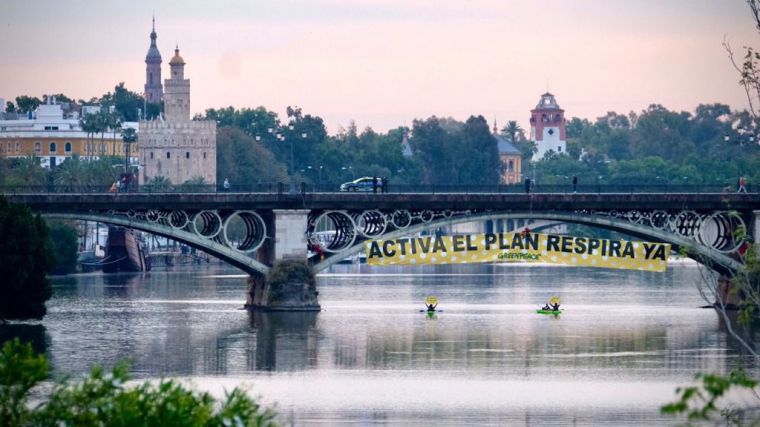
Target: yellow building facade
{"points": [[52, 138]]}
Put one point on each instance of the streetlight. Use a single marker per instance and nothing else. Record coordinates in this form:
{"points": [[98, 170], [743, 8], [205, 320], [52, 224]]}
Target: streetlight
{"points": [[319, 173], [349, 168], [282, 138]]}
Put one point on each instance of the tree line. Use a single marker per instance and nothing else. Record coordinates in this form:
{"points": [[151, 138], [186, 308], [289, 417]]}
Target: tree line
{"points": [[656, 147]]}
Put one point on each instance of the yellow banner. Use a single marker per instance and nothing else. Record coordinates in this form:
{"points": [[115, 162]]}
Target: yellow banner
{"points": [[530, 247]]}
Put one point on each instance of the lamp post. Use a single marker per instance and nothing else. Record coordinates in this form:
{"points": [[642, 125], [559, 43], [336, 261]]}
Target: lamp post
{"points": [[319, 173], [282, 138], [129, 136], [350, 169]]}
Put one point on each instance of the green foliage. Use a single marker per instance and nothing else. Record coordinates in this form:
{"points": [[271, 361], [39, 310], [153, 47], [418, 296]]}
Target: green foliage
{"points": [[75, 174], [26, 258], [700, 402], [289, 272], [104, 399], [158, 184], [20, 370], [25, 171], [62, 240], [25, 104], [244, 160]]}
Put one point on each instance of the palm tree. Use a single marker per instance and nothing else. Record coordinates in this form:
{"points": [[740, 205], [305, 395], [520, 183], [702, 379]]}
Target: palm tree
{"points": [[129, 136], [92, 124], [26, 171], [512, 130], [114, 123]]}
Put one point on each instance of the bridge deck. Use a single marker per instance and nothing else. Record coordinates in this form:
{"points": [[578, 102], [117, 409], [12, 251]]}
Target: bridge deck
{"points": [[363, 201]]}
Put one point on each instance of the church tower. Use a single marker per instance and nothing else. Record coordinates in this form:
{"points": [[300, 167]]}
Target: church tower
{"points": [[177, 95], [153, 89], [547, 126]]}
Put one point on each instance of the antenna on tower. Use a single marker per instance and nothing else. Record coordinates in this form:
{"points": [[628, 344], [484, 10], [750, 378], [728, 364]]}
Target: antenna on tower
{"points": [[154, 21]]}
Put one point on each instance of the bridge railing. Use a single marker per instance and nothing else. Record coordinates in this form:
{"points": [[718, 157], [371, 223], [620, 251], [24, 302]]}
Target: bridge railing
{"points": [[283, 188]]}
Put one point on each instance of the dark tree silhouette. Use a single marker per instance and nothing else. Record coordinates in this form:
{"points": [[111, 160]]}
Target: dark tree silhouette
{"points": [[26, 256]]}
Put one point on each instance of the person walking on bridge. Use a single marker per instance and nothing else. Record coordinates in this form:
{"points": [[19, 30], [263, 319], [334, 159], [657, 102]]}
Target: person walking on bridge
{"points": [[742, 185]]}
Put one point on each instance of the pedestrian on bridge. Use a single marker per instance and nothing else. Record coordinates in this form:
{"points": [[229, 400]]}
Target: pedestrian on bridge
{"points": [[575, 183], [742, 185], [527, 185]]}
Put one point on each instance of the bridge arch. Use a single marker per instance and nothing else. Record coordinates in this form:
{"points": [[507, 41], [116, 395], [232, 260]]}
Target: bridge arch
{"points": [[705, 255], [238, 259]]}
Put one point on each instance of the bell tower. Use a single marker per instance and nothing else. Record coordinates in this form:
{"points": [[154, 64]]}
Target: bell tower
{"points": [[154, 91], [547, 127], [177, 97]]}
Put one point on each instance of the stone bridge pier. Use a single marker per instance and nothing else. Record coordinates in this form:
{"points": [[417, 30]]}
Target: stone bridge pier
{"points": [[284, 287]]}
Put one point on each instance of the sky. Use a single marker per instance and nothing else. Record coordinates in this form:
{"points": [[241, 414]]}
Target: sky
{"points": [[384, 63]]}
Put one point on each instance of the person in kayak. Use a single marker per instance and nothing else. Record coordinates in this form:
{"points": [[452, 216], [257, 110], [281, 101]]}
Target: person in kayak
{"points": [[431, 307], [546, 307], [555, 306]]}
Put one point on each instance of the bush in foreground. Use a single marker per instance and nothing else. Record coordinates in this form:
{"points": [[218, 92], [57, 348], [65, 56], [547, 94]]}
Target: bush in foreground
{"points": [[104, 399]]}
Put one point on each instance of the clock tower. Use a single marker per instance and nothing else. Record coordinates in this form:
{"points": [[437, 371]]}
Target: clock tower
{"points": [[547, 127]]}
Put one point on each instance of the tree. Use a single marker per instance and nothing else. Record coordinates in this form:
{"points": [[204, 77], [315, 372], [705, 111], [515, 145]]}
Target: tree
{"points": [[10, 107], [158, 184], [244, 160], [512, 131], [27, 258], [26, 104], [62, 240], [129, 137], [108, 399], [25, 172], [429, 141], [476, 156], [749, 70]]}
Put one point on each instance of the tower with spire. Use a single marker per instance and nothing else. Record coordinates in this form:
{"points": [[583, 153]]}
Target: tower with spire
{"points": [[154, 91], [173, 145]]}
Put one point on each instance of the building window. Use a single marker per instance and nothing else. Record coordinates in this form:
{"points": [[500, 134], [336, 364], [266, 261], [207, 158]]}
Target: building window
{"points": [[17, 147], [151, 155], [37, 148], [52, 147], [168, 155], [559, 148], [511, 166], [187, 154], [204, 154], [67, 147]]}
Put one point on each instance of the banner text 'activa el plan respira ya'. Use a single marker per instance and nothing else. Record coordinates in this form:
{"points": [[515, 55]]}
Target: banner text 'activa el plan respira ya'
{"points": [[530, 247]]}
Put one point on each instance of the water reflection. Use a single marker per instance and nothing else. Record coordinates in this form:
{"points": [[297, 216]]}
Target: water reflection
{"points": [[291, 335], [620, 336]]}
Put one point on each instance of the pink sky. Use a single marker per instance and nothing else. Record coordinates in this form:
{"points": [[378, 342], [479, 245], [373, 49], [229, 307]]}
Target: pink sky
{"points": [[385, 63]]}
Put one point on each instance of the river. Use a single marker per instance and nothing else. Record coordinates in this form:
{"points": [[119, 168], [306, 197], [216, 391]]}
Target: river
{"points": [[624, 343]]}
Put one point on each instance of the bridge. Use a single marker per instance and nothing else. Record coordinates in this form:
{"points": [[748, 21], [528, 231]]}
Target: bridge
{"points": [[253, 231]]}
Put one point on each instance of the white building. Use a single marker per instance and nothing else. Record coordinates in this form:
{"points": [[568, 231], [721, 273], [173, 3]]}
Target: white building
{"points": [[52, 137], [547, 127]]}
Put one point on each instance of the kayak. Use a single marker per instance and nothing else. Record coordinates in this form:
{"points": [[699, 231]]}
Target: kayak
{"points": [[541, 311]]}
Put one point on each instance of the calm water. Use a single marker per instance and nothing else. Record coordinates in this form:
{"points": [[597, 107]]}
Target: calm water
{"points": [[625, 341]]}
